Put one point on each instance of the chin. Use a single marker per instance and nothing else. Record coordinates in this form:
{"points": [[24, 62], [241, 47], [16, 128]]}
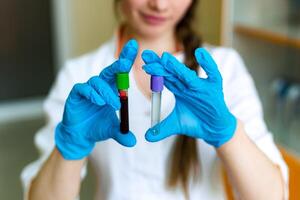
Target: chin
{"points": [[151, 31]]}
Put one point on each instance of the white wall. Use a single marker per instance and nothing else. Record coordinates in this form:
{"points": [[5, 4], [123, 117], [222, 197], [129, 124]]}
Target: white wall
{"points": [[61, 31]]}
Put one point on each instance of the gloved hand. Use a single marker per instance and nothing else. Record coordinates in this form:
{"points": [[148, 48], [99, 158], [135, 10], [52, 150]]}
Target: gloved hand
{"points": [[200, 110], [90, 111]]}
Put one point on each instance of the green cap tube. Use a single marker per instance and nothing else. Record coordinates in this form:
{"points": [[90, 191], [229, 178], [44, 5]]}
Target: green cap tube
{"points": [[122, 81]]}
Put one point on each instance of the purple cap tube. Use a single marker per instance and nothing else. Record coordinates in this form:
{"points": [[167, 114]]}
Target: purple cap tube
{"points": [[157, 83]]}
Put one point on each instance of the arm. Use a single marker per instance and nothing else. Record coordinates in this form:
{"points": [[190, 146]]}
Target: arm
{"points": [[89, 117], [58, 179], [201, 112], [244, 103], [252, 174], [44, 138]]}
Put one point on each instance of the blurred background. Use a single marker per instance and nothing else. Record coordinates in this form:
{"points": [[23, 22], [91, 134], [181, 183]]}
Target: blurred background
{"points": [[38, 36]]}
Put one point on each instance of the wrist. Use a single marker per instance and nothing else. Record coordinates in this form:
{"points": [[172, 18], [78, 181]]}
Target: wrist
{"points": [[238, 136], [60, 159], [224, 135]]}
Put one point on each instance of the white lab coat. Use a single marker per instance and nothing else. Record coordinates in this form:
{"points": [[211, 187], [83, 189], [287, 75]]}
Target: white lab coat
{"points": [[140, 173]]}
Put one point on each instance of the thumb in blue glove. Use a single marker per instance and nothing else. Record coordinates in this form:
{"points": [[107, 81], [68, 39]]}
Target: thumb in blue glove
{"points": [[90, 111], [200, 110]]}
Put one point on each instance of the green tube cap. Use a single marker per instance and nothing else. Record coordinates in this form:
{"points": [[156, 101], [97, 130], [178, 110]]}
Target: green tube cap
{"points": [[122, 81]]}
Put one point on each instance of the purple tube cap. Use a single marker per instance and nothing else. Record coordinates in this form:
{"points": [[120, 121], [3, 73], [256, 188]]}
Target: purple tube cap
{"points": [[157, 83]]}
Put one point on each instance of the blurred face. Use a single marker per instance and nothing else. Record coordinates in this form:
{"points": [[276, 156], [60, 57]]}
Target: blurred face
{"points": [[151, 18]]}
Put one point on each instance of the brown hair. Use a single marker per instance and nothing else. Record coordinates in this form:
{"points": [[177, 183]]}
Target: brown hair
{"points": [[184, 160]]}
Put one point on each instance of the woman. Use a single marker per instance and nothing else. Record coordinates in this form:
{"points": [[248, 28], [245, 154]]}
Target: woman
{"points": [[211, 127]]}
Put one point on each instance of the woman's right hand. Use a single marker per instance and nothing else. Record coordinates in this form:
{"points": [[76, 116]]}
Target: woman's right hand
{"points": [[90, 111]]}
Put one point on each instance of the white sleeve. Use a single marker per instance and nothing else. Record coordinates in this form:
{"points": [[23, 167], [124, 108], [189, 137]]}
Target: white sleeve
{"points": [[44, 138], [243, 101]]}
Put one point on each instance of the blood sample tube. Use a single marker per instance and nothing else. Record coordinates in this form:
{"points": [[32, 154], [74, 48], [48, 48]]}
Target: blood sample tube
{"points": [[123, 85], [157, 85]]}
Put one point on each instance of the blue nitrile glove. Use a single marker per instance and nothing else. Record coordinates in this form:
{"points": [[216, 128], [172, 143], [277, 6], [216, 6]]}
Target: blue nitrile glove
{"points": [[90, 111], [200, 110]]}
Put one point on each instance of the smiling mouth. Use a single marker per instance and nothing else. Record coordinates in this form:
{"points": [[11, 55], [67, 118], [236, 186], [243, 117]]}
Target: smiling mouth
{"points": [[153, 20]]}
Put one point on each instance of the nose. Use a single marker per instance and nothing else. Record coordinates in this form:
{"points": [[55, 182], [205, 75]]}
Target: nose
{"points": [[159, 5]]}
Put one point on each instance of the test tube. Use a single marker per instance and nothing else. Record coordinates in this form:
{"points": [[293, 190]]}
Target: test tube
{"points": [[123, 85], [157, 85]]}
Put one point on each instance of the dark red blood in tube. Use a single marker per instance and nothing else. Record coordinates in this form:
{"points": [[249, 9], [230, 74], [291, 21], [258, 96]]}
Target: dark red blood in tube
{"points": [[124, 126]]}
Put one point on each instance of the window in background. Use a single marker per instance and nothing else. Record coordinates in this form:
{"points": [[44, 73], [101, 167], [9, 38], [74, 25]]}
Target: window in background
{"points": [[26, 59]]}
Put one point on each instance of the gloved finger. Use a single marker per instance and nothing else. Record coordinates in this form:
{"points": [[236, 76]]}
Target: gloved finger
{"points": [[154, 66], [123, 64], [170, 81], [105, 91], [182, 72], [156, 69], [127, 140], [108, 74], [83, 90], [164, 129], [150, 56], [129, 51], [205, 60], [175, 86]]}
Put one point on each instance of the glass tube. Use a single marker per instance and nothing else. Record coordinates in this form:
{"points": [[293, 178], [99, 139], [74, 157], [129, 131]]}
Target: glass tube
{"points": [[155, 108]]}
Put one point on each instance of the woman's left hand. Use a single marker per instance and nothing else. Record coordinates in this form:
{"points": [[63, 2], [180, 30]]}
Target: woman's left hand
{"points": [[200, 110]]}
